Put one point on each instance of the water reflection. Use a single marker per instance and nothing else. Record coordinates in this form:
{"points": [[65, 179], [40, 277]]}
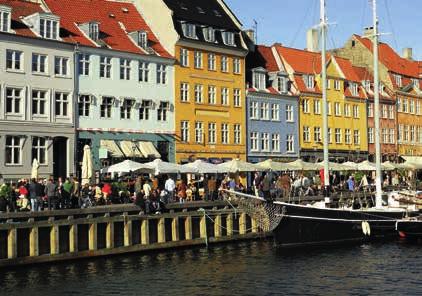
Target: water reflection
{"points": [[251, 268]]}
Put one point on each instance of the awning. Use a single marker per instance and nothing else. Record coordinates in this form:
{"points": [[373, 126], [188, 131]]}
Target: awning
{"points": [[130, 149], [413, 159], [148, 149], [112, 148]]}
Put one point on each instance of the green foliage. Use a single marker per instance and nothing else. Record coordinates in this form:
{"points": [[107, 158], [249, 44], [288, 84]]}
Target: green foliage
{"points": [[358, 177], [5, 191]]}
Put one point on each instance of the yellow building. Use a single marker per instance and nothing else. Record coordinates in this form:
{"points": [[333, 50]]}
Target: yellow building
{"points": [[209, 76], [347, 120]]}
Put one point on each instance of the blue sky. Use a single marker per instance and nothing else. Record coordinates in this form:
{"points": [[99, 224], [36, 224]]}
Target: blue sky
{"points": [[286, 21]]}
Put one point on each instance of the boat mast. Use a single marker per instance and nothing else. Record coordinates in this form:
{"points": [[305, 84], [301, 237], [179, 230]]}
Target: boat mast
{"points": [[378, 176], [323, 28]]}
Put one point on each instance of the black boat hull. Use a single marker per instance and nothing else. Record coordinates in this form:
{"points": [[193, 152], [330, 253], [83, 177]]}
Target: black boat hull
{"points": [[411, 230]]}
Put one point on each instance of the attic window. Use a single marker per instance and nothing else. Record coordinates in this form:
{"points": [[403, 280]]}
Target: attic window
{"points": [[415, 82], [259, 80], [49, 29], [183, 6], [93, 31], [397, 79], [143, 39], [125, 10], [309, 81], [209, 34], [366, 84], [353, 43], [228, 38], [189, 30], [5, 18], [354, 89]]}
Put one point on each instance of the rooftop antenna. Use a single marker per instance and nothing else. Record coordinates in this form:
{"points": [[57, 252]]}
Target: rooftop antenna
{"points": [[255, 27]]}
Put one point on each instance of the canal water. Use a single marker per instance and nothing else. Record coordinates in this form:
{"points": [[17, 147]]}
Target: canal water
{"points": [[249, 268]]}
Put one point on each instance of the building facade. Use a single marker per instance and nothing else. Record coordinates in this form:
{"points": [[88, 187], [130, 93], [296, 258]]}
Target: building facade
{"points": [[209, 81], [272, 110], [125, 85], [36, 93]]}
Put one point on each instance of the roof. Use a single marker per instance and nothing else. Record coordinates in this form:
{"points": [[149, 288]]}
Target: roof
{"points": [[394, 62], [116, 20], [208, 12], [347, 68], [302, 61], [263, 57], [22, 9], [364, 75]]}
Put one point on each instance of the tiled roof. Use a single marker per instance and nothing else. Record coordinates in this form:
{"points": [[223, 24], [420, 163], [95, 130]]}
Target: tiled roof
{"points": [[364, 74], [302, 61], [347, 68], [22, 9], [115, 19]]}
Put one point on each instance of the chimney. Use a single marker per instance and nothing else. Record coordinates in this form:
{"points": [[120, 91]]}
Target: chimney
{"points": [[368, 32], [251, 34], [312, 40], [408, 53]]}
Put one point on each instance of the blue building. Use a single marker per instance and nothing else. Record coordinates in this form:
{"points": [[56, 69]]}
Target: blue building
{"points": [[272, 113]]}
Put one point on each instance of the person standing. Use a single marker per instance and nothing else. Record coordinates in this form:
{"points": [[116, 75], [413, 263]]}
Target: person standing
{"points": [[170, 186], [67, 189], [266, 186], [51, 192], [147, 189], [33, 195], [76, 193], [212, 186]]}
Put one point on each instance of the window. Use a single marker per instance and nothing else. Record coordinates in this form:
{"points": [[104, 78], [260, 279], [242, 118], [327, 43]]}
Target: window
{"points": [[184, 128], [209, 34], [125, 69], [254, 141], [199, 89], [162, 110], [309, 81], [49, 28], [317, 134], [406, 133], [356, 137], [399, 105], [105, 67], [143, 71], [225, 96], [228, 38], [184, 57], [161, 74], [259, 80], [39, 149], [328, 108], [371, 110], [144, 110], [354, 89], [126, 109], [237, 101], [265, 142], [392, 136], [275, 142], [404, 109], [143, 39], [189, 30], [197, 59], [337, 109], [212, 95], [371, 135], [306, 134], [418, 108], [337, 84], [317, 107], [415, 82], [347, 110], [355, 111], [330, 135], [236, 66], [93, 31], [265, 111], [290, 143], [13, 100], [305, 106], [254, 106], [199, 132], [211, 62], [282, 84], [384, 112], [401, 133], [13, 150], [347, 136], [224, 133], [224, 64], [62, 104], [212, 133], [237, 134], [289, 113], [4, 21], [412, 134], [412, 106], [106, 107], [397, 79], [184, 92], [84, 61], [84, 105], [338, 135], [61, 66], [384, 133], [39, 63], [14, 60], [366, 84], [39, 99], [275, 112]]}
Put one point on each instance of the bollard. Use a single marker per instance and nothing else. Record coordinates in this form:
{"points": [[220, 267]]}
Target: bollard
{"points": [[254, 225], [73, 238], [203, 227], [110, 235], [33, 242], [54, 240], [175, 229], [12, 245], [188, 228], [145, 232], [128, 233], [161, 231], [242, 223], [217, 226], [92, 237], [229, 222]]}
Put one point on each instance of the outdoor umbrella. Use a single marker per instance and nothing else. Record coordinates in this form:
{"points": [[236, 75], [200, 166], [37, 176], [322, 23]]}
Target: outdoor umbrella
{"points": [[275, 166], [333, 166], [388, 166], [34, 171], [237, 165], [350, 166], [405, 166], [87, 169], [126, 166], [200, 167], [366, 166], [161, 167], [300, 165]]}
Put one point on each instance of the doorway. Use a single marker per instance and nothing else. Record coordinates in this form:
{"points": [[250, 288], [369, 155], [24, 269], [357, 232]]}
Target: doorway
{"points": [[60, 157]]}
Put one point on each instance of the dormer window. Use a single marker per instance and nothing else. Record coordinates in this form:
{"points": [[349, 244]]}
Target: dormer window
{"points": [[309, 81], [415, 82], [143, 39], [397, 79], [209, 34], [5, 19], [366, 84], [281, 84], [49, 28], [94, 31], [258, 80], [228, 38], [354, 89], [189, 30], [381, 88]]}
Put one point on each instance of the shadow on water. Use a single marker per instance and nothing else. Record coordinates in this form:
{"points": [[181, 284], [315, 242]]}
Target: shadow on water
{"points": [[248, 268]]}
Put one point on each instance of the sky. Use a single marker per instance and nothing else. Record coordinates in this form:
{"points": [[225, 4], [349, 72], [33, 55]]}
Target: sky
{"points": [[286, 21]]}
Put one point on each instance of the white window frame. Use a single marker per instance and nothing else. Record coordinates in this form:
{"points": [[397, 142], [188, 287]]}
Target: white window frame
{"points": [[14, 60], [16, 143], [143, 72], [212, 94], [289, 113], [106, 107], [237, 97], [184, 57], [15, 98], [347, 136], [212, 62], [212, 133], [41, 150], [199, 93], [105, 67], [356, 111], [61, 66], [356, 137], [254, 110], [5, 21], [275, 142], [337, 135], [254, 138], [237, 66], [317, 134], [84, 64], [161, 74], [189, 30], [184, 131], [184, 92], [290, 143], [126, 109], [306, 134], [209, 34], [40, 101], [39, 63], [371, 135], [84, 105], [337, 109], [197, 59], [49, 29], [61, 99], [228, 38], [225, 133], [265, 111], [317, 107], [275, 112], [224, 64], [125, 68], [305, 106], [237, 134], [199, 132], [225, 96], [265, 142]]}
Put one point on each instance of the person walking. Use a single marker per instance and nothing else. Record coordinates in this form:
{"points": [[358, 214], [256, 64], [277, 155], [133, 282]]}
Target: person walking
{"points": [[266, 186], [33, 195], [170, 186], [51, 192]]}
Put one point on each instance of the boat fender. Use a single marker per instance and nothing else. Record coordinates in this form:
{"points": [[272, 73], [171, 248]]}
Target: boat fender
{"points": [[368, 228], [364, 227]]}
